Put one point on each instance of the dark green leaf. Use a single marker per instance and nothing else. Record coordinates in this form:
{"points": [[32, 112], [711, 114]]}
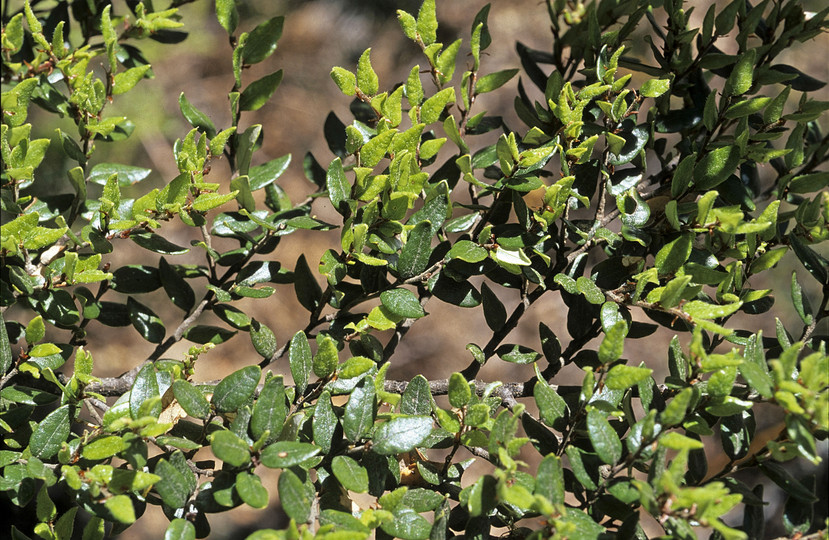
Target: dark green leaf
{"points": [[262, 41], [157, 243], [459, 391], [235, 390], [260, 91], [715, 167], [285, 454], [550, 481], [264, 175], [351, 474], [191, 399], [339, 190], [270, 409], [195, 117], [325, 422], [299, 357], [228, 447], [295, 499], [174, 487], [414, 257], [605, 441], [550, 404], [135, 279], [50, 433], [494, 311], [176, 287], [359, 411], [403, 303], [408, 525], [263, 339], [635, 141], [202, 333], [417, 397], [401, 434], [250, 489]]}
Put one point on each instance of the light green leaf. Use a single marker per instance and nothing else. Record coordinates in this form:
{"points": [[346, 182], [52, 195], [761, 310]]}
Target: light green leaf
{"points": [[622, 377]]}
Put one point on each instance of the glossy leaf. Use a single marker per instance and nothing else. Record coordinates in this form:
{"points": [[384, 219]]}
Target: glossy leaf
{"points": [[401, 434], [351, 474], [300, 360], [359, 411], [605, 441], [403, 303]]}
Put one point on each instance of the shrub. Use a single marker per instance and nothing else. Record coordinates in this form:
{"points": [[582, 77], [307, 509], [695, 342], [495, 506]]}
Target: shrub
{"points": [[636, 192]]}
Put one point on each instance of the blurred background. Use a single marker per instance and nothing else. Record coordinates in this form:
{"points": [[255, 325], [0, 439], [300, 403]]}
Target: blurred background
{"points": [[318, 35]]}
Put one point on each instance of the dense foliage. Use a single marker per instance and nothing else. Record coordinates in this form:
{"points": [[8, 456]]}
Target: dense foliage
{"points": [[633, 193]]}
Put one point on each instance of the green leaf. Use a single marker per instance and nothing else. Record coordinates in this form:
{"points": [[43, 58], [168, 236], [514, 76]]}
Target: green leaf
{"points": [[407, 525], [209, 201], [374, 150], [181, 529], [103, 447], [427, 22], [351, 474], [517, 354], [445, 65], [673, 255], [262, 41], [50, 433], [295, 499], [191, 399], [228, 447], [326, 359], [260, 91], [551, 406], [367, 80], [235, 389], [127, 174], [250, 489], [264, 175], [285, 454], [345, 80], [432, 108], [202, 333], [590, 290], [613, 343], [703, 310], [263, 339], [144, 388], [740, 79], [635, 141], [622, 377], [459, 391], [195, 117], [654, 87], [493, 81], [715, 167], [403, 303], [120, 509], [417, 397], [175, 485], [468, 251], [325, 422], [359, 411], [228, 17], [401, 434], [6, 358], [550, 479], [414, 256], [300, 360], [270, 409], [604, 438]]}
